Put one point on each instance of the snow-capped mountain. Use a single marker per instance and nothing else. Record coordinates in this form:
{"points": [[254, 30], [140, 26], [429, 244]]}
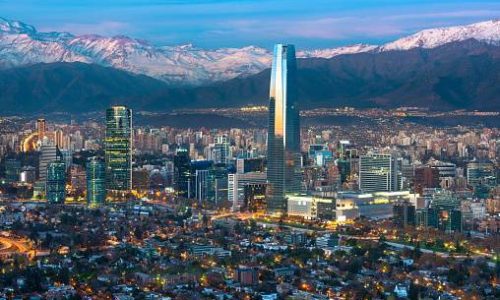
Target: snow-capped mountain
{"points": [[331, 52], [488, 32], [22, 44]]}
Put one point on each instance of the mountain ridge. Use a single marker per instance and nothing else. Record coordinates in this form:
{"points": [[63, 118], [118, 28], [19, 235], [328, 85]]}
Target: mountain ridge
{"points": [[458, 75], [185, 65]]}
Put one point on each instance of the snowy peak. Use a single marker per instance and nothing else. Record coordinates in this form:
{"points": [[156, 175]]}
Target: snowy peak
{"points": [[488, 32], [7, 26], [329, 53], [22, 44]]}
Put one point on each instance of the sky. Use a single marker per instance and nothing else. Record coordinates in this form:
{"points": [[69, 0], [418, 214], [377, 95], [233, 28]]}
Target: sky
{"points": [[237, 23]]}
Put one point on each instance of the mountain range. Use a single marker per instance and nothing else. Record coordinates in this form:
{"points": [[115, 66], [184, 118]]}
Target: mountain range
{"points": [[441, 68]]}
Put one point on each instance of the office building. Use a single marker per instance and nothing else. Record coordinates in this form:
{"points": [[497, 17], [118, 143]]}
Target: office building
{"points": [[12, 170], [245, 165], [182, 172], [481, 173], [246, 275], [218, 177], [41, 127], [311, 207], [404, 214], [236, 187], [118, 150], [426, 178], [283, 147], [55, 188], [378, 173], [254, 197], [28, 174], [96, 182], [48, 154]]}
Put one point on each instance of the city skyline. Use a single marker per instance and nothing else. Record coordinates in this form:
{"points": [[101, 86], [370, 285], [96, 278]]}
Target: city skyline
{"points": [[131, 170]]}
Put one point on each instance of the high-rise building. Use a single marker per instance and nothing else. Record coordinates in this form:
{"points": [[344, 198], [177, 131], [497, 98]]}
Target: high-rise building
{"points": [[60, 139], [118, 149], [283, 149], [96, 182], [182, 172], [12, 170], [41, 127], [426, 177], [236, 187], [55, 188], [48, 154], [244, 165], [378, 173], [481, 173], [404, 214]]}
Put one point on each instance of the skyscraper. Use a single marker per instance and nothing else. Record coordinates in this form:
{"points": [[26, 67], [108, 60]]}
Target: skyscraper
{"points": [[283, 148], [55, 188], [182, 173], [96, 182], [41, 126], [48, 154], [118, 149]]}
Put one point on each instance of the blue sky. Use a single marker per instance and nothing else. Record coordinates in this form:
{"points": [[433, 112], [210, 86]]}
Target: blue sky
{"points": [[236, 23]]}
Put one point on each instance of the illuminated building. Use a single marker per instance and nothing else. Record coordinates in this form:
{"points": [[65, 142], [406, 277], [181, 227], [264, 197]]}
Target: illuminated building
{"points": [[378, 173], [182, 172], [28, 174], [377, 205], [311, 207], [55, 188], [48, 154], [443, 212], [283, 149], [60, 139], [96, 182], [255, 197], [41, 126], [118, 149], [236, 187]]}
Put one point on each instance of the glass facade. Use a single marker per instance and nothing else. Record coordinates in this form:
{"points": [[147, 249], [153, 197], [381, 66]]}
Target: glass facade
{"points": [[118, 149], [378, 173], [55, 188], [96, 182], [283, 146], [182, 173]]}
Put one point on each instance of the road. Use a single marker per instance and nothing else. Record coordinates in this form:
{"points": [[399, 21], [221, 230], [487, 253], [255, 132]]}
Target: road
{"points": [[13, 245]]}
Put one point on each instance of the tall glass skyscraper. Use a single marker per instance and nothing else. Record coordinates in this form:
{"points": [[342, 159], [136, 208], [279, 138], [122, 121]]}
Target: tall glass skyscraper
{"points": [[283, 148], [118, 149], [56, 182], [182, 173], [96, 182]]}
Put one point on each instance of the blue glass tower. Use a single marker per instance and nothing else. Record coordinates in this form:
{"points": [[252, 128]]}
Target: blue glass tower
{"points": [[283, 171], [96, 182], [55, 188]]}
